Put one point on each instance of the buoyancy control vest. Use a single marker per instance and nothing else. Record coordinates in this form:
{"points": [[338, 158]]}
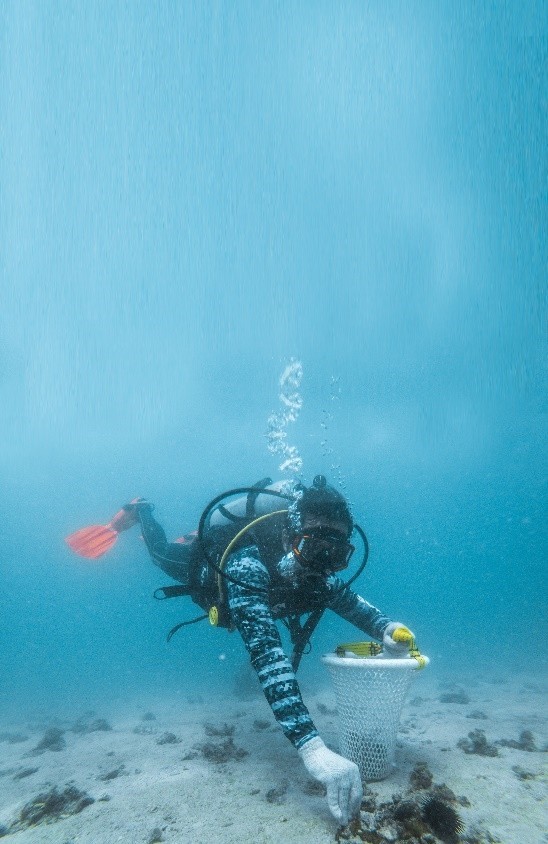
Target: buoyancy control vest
{"points": [[255, 517]]}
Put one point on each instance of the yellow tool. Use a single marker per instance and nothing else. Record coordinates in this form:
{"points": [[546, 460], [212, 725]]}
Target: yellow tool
{"points": [[364, 650]]}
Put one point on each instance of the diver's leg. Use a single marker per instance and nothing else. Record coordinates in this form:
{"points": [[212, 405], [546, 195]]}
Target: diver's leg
{"points": [[172, 557]]}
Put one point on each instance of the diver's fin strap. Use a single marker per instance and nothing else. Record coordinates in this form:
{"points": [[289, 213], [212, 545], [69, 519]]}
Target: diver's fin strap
{"points": [[184, 624], [170, 592]]}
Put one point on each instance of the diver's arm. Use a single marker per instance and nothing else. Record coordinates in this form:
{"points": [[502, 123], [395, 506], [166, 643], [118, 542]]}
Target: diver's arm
{"points": [[252, 616], [251, 613], [355, 609]]}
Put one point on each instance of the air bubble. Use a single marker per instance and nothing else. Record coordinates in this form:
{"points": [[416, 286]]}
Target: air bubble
{"points": [[291, 399]]}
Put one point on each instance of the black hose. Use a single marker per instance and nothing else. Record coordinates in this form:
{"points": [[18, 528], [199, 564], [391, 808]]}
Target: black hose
{"points": [[262, 491]]}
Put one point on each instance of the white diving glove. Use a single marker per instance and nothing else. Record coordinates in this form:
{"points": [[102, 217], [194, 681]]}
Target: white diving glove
{"points": [[396, 639], [340, 776]]}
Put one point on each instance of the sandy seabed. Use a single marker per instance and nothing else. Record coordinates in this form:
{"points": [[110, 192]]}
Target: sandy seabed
{"points": [[161, 772]]}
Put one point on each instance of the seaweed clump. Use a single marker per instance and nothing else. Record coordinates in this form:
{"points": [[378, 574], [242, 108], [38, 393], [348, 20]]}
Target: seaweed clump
{"points": [[458, 696], [221, 751], [113, 774], [404, 819], [526, 742], [51, 806], [478, 715], [277, 794], [221, 731], [168, 738], [144, 730], [420, 777], [477, 743], [88, 724], [53, 739], [225, 751], [424, 818]]}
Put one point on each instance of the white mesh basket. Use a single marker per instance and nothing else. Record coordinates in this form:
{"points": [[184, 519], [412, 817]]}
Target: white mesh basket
{"points": [[370, 694]]}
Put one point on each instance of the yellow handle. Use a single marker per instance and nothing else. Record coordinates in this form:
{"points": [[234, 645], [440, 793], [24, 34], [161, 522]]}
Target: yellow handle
{"points": [[366, 649], [402, 634], [359, 649]]}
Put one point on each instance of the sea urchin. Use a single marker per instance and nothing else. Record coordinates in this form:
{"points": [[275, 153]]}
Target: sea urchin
{"points": [[442, 819]]}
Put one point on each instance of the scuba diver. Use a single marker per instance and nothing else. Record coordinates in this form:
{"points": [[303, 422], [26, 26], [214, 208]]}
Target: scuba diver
{"points": [[272, 554]]}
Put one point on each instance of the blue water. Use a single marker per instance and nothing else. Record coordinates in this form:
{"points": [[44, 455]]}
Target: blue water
{"points": [[192, 194]]}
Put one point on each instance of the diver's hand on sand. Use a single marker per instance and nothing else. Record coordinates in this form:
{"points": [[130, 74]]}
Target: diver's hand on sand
{"points": [[340, 776], [396, 639], [128, 515]]}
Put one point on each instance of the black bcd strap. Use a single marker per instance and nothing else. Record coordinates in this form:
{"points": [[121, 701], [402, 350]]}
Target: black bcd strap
{"points": [[170, 592], [185, 624]]}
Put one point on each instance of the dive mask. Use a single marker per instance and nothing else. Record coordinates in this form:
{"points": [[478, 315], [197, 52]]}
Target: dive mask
{"points": [[323, 550]]}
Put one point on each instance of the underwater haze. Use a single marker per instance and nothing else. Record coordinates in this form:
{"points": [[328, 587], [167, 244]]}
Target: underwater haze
{"points": [[194, 195]]}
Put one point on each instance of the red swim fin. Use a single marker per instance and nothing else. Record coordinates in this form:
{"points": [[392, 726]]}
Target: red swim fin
{"points": [[93, 541], [96, 540]]}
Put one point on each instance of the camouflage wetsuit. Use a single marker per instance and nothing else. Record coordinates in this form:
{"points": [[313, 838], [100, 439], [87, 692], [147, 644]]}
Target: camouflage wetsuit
{"points": [[275, 587]]}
